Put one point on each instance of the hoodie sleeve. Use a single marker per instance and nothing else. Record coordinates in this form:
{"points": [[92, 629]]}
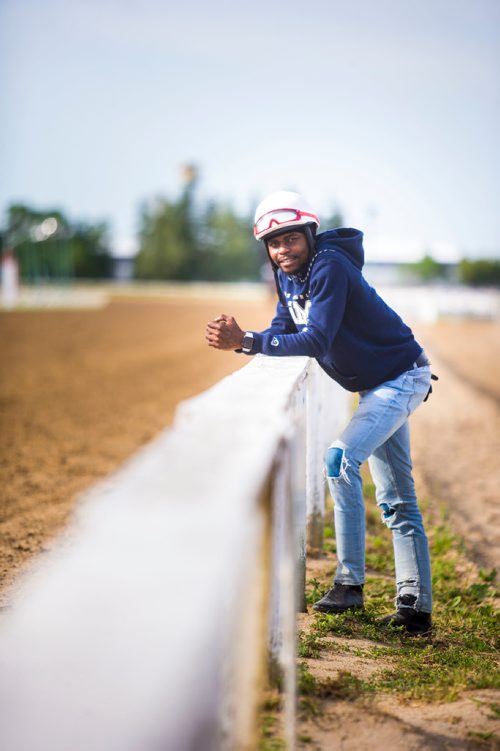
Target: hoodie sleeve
{"points": [[282, 323], [328, 296]]}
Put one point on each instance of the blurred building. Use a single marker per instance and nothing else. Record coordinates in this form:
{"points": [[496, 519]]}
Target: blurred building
{"points": [[390, 274], [122, 268]]}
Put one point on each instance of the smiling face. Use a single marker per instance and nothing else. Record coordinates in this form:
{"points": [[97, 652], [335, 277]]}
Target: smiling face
{"points": [[289, 251]]}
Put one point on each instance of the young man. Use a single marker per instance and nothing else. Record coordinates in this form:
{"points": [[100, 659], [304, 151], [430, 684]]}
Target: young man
{"points": [[328, 311]]}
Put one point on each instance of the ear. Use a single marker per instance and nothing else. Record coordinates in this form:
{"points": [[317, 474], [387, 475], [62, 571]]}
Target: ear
{"points": [[310, 237], [269, 255]]}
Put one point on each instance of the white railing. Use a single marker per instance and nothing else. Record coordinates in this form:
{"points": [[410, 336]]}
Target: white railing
{"points": [[148, 624], [430, 303]]}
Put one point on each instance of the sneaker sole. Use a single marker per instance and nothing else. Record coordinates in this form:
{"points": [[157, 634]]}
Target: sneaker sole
{"points": [[336, 611], [419, 633], [404, 631]]}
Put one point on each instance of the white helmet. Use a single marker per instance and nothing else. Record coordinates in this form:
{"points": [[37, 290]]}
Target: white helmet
{"points": [[281, 210]]}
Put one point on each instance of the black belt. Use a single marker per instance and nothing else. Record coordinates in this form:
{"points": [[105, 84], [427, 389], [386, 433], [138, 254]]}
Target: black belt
{"points": [[421, 360]]}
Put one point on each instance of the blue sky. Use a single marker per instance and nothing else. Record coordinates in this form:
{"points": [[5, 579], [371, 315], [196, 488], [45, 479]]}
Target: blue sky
{"points": [[387, 109]]}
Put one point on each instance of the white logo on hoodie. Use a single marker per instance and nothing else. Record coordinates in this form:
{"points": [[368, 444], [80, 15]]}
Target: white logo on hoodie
{"points": [[299, 314]]}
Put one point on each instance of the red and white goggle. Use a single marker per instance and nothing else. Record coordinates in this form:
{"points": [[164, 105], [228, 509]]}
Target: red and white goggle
{"points": [[280, 217]]}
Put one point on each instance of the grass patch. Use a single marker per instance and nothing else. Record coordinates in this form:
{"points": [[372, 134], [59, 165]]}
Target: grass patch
{"points": [[270, 743], [495, 711], [308, 645], [311, 690], [269, 725], [315, 589], [462, 653], [438, 673]]}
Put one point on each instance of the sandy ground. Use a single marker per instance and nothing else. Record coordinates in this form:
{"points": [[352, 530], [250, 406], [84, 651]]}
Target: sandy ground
{"points": [[394, 726], [82, 390], [456, 434]]}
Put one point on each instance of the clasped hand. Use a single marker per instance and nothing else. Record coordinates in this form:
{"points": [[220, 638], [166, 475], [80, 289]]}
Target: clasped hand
{"points": [[224, 333]]}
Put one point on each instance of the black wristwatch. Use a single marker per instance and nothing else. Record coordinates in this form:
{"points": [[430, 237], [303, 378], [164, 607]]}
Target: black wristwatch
{"points": [[247, 343]]}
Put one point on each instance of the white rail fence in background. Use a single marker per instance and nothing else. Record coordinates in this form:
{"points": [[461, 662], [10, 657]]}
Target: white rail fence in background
{"points": [[147, 626], [428, 303]]}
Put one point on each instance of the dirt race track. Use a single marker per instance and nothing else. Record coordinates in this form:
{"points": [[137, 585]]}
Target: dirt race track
{"points": [[81, 390], [456, 435]]}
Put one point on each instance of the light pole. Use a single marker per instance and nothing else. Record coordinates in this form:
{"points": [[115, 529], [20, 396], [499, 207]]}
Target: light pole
{"points": [[10, 279], [40, 233]]}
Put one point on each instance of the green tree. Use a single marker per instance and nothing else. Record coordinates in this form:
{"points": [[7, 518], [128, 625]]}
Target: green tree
{"points": [[90, 254], [482, 272], [333, 220], [229, 251], [180, 241], [427, 269], [49, 247], [168, 239]]}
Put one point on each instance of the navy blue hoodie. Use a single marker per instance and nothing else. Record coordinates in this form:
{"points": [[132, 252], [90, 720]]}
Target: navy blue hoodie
{"points": [[333, 315]]}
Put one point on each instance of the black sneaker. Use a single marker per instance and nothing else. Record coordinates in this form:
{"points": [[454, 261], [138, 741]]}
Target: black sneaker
{"points": [[414, 622], [340, 598]]}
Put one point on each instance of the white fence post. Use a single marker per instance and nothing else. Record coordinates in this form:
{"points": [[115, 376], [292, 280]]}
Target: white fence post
{"points": [[314, 460], [327, 412], [283, 588], [248, 664], [298, 489]]}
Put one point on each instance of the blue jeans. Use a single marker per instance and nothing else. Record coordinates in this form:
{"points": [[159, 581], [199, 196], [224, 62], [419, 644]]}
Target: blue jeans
{"points": [[379, 432]]}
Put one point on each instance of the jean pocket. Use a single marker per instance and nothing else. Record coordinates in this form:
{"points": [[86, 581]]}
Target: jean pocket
{"points": [[421, 383]]}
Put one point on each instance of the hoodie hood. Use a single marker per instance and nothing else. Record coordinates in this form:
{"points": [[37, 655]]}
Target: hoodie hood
{"points": [[345, 240]]}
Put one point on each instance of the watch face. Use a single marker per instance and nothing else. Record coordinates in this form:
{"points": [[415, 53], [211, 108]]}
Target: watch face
{"points": [[247, 342]]}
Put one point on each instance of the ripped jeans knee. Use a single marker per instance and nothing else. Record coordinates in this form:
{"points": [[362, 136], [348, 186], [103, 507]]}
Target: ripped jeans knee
{"points": [[337, 464], [402, 518], [388, 513]]}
